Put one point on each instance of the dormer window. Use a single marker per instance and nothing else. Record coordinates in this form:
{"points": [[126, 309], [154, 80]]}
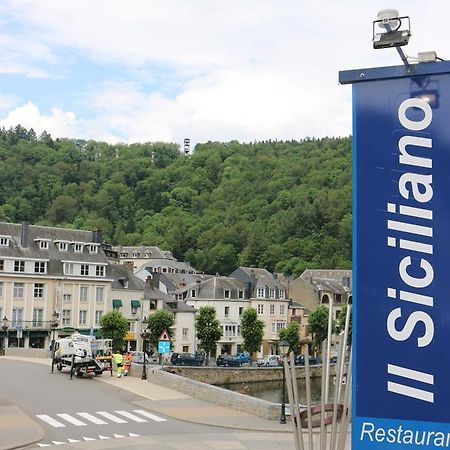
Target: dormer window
{"points": [[62, 246], [93, 248], [78, 248], [123, 254], [260, 293], [135, 254], [4, 241], [43, 244]]}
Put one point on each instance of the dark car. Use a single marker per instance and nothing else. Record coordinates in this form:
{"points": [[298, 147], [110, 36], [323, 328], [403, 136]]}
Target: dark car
{"points": [[186, 359], [228, 361], [300, 360]]}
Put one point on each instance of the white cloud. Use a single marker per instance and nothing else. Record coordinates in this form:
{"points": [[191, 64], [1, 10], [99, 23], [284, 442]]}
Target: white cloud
{"points": [[59, 123]]}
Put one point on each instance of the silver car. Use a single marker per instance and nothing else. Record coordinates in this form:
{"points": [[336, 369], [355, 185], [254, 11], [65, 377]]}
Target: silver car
{"points": [[269, 361]]}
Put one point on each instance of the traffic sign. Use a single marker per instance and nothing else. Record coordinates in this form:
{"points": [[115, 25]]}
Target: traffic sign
{"points": [[401, 211], [163, 346], [164, 336]]}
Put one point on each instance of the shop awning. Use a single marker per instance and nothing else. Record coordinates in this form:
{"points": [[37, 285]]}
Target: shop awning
{"points": [[38, 333], [135, 304], [117, 303]]}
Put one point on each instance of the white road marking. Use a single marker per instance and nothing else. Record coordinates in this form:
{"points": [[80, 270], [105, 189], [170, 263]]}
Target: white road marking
{"points": [[103, 437], [72, 420], [73, 440], [92, 418], [44, 445], [58, 442], [130, 416], [149, 415], [133, 435], [50, 421], [88, 439], [118, 435], [111, 417]]}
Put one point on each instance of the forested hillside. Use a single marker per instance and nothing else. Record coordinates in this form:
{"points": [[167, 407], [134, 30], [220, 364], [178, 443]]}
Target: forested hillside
{"points": [[285, 206]]}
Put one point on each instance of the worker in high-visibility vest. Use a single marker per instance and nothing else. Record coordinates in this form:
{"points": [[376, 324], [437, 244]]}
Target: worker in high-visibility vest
{"points": [[126, 364], [118, 359]]}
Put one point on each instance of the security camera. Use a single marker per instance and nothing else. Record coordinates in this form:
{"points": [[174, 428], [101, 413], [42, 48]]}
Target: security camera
{"points": [[397, 30]]}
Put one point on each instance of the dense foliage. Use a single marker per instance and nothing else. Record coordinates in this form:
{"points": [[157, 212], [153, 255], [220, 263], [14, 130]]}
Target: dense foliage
{"points": [[291, 334], [208, 328], [113, 325], [158, 322], [252, 330], [285, 206]]}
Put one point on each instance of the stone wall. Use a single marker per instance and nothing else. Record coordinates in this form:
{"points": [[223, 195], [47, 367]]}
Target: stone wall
{"points": [[216, 395], [227, 375]]}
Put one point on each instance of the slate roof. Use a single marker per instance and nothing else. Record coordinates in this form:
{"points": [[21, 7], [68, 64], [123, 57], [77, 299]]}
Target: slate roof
{"points": [[119, 273], [337, 281], [152, 251], [31, 250], [263, 277]]}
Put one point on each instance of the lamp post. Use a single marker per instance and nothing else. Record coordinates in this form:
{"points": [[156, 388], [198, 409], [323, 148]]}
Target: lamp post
{"points": [[145, 334], [5, 327], [284, 349], [53, 324]]}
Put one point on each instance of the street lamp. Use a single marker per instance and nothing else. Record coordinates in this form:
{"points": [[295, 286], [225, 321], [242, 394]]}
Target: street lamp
{"points": [[5, 327], [53, 324], [284, 349], [145, 334]]}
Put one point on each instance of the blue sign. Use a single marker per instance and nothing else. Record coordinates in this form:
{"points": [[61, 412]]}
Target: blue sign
{"points": [[401, 145], [163, 346]]}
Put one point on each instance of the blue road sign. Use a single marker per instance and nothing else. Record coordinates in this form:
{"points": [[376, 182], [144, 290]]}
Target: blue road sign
{"points": [[163, 346], [401, 207]]}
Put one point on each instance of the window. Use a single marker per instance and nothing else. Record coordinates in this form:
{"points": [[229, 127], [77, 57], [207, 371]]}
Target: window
{"points": [[185, 333], [153, 304], [98, 316], [84, 269], [99, 293], [227, 311], [68, 268], [93, 248], [135, 255], [338, 298], [78, 248], [241, 310], [66, 317], [282, 294], [43, 245], [193, 293], [2, 265], [19, 266], [272, 309], [277, 326], [67, 298], [17, 317], [240, 294], [38, 291], [226, 293], [38, 314], [260, 309], [99, 271], [62, 246], [271, 293], [260, 293], [40, 267], [4, 241], [1, 293], [18, 290], [82, 318], [282, 310], [84, 293]]}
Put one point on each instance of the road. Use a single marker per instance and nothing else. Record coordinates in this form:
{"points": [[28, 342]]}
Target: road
{"points": [[83, 409]]}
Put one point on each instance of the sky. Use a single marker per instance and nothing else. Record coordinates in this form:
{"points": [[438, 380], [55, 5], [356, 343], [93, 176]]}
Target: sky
{"points": [[208, 70]]}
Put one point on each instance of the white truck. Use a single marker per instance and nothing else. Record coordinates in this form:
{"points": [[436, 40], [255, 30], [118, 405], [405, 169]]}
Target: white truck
{"points": [[83, 354]]}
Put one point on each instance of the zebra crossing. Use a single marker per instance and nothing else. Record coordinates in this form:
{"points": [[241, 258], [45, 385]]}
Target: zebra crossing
{"points": [[82, 419], [86, 439]]}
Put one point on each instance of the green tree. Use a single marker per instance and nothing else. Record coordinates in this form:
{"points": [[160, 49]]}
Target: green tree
{"points": [[208, 328], [318, 324], [340, 325], [291, 335], [252, 330], [113, 325], [158, 322]]}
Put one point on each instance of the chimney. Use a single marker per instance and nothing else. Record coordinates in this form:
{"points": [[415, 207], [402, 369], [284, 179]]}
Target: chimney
{"points": [[198, 287], [129, 265], [25, 233], [97, 236], [150, 282]]}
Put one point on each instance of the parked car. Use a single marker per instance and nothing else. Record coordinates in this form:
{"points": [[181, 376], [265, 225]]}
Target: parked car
{"points": [[244, 357], [228, 361], [138, 357], [300, 360], [269, 361], [186, 359]]}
